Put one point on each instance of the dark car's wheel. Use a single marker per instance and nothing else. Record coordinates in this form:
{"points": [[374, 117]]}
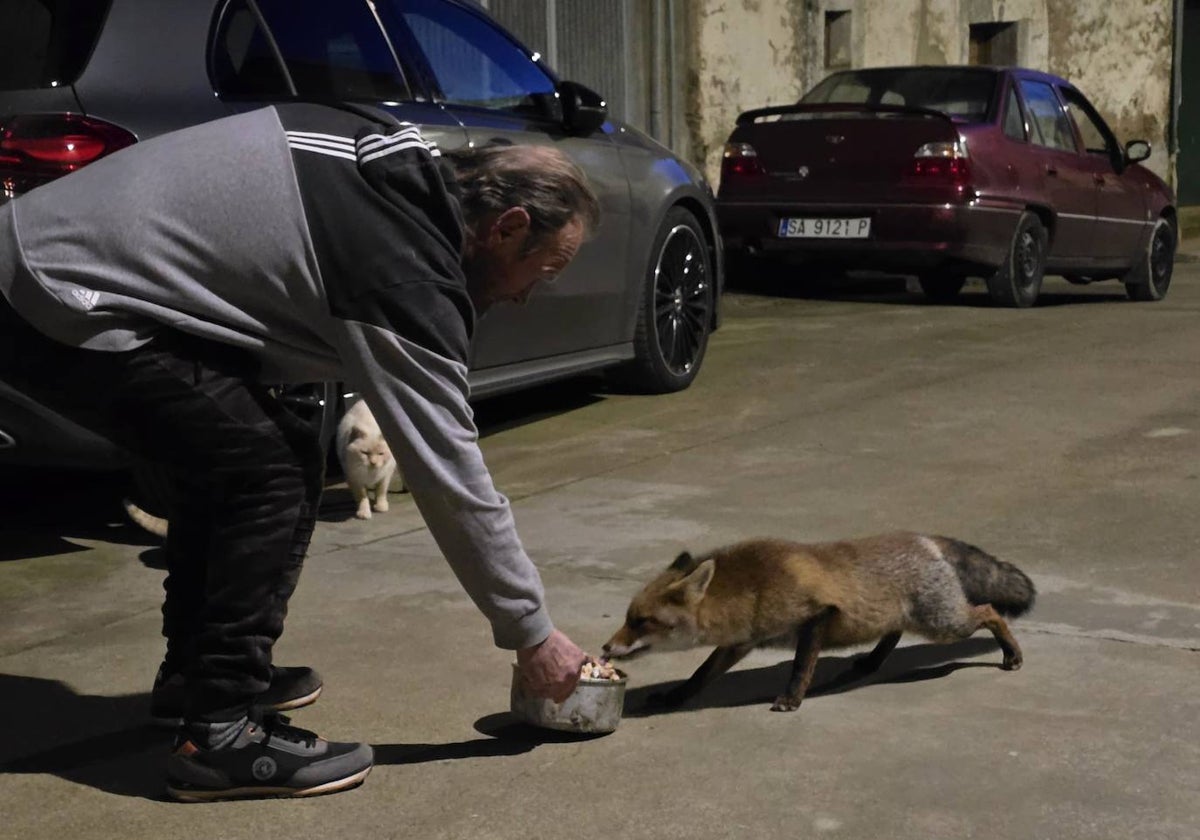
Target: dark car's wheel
{"points": [[152, 494], [1018, 281], [941, 287], [1150, 276], [675, 311]]}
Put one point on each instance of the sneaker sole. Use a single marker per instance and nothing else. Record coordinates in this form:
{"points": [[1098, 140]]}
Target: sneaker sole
{"points": [[285, 706], [187, 794]]}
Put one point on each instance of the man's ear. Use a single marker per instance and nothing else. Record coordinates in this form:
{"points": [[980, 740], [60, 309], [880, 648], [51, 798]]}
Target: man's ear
{"points": [[512, 222]]}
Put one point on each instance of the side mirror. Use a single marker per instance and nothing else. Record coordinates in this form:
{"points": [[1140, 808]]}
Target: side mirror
{"points": [[583, 110], [1136, 151]]}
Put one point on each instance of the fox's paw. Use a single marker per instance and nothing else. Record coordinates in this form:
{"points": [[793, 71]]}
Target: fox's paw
{"points": [[783, 703], [1013, 662]]}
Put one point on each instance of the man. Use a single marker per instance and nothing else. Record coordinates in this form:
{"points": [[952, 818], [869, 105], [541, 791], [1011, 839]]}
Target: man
{"points": [[150, 295]]}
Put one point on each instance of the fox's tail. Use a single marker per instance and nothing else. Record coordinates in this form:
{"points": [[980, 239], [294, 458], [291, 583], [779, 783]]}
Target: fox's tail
{"points": [[986, 580]]}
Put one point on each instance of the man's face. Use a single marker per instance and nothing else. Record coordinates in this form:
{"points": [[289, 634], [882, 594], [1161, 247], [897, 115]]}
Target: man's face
{"points": [[500, 270]]}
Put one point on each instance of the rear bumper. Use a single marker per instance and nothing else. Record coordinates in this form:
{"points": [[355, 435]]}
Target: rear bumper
{"points": [[903, 236], [33, 435]]}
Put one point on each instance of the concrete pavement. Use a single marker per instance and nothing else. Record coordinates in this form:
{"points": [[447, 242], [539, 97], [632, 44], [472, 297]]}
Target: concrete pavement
{"points": [[1064, 439]]}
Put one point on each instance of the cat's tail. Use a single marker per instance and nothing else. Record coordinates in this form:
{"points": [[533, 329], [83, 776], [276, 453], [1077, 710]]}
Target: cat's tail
{"points": [[154, 524]]}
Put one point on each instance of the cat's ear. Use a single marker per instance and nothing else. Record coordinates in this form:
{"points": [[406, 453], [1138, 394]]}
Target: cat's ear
{"points": [[357, 432]]}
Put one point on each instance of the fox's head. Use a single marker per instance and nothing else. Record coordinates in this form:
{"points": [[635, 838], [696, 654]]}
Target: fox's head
{"points": [[664, 614]]}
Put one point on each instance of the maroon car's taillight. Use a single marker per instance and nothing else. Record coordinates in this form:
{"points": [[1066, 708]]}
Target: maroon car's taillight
{"points": [[741, 160], [36, 148], [944, 163]]}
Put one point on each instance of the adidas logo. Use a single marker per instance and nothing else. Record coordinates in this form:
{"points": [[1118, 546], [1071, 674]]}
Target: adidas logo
{"points": [[86, 297]]}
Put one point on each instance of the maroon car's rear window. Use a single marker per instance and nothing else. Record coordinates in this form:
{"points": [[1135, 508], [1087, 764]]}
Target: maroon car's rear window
{"points": [[45, 43], [959, 92]]}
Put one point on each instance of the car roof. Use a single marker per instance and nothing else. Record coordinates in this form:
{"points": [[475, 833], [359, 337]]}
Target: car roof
{"points": [[1021, 72]]}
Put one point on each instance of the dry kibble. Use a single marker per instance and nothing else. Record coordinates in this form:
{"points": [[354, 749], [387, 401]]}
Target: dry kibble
{"points": [[601, 670]]}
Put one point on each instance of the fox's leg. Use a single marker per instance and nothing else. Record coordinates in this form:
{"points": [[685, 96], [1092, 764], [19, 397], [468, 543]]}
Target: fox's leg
{"points": [[808, 648], [718, 662], [986, 616], [871, 662]]}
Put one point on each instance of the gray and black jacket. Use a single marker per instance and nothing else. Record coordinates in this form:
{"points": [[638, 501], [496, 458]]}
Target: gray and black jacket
{"points": [[328, 245]]}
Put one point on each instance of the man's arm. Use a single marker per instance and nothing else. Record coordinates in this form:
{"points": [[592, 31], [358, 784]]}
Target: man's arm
{"points": [[419, 399]]}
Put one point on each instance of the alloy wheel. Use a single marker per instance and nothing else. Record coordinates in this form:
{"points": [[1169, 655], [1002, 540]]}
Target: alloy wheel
{"points": [[681, 299]]}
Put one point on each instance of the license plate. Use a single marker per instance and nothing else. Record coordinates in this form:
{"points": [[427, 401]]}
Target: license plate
{"points": [[825, 228]]}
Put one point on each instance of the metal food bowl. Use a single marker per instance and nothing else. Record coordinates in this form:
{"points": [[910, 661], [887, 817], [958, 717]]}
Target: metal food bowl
{"points": [[594, 706]]}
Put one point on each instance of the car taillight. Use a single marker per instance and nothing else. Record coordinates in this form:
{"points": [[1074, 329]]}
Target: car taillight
{"points": [[741, 159], [36, 148], [943, 162]]}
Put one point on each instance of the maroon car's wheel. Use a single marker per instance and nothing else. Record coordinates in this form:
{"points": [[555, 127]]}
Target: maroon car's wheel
{"points": [[1018, 281], [676, 309], [1150, 277]]}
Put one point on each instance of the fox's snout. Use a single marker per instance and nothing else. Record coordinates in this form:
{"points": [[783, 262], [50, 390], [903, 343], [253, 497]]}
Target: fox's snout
{"points": [[623, 643]]}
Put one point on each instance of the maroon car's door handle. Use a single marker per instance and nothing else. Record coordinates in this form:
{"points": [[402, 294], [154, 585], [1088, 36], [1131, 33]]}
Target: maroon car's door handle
{"points": [[1051, 169]]}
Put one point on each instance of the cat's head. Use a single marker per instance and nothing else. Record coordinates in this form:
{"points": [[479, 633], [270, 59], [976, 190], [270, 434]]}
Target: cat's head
{"points": [[371, 450]]}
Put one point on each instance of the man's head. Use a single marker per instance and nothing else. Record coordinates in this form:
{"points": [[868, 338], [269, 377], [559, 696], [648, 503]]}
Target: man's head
{"points": [[527, 210]]}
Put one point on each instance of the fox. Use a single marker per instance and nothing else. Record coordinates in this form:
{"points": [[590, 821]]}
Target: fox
{"points": [[768, 592]]}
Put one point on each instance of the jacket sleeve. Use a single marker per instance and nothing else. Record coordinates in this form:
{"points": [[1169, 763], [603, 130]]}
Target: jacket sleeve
{"points": [[419, 398]]}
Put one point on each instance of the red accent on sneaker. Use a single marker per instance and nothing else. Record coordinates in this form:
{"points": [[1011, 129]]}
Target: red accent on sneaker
{"points": [[187, 748]]}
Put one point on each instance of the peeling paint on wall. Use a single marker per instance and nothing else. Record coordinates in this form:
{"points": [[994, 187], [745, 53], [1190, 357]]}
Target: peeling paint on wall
{"points": [[749, 56], [1119, 55]]}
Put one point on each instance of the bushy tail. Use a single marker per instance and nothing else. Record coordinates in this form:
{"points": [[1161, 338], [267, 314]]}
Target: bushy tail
{"points": [[154, 524], [986, 580]]}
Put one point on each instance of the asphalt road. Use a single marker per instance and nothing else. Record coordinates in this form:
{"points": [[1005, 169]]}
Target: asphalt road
{"points": [[1064, 439]]}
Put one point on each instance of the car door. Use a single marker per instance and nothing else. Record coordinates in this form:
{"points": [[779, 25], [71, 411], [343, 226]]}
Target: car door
{"points": [[317, 51], [1120, 206], [493, 86], [1067, 182]]}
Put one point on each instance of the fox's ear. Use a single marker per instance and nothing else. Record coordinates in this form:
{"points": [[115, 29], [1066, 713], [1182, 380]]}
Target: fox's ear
{"points": [[683, 563], [693, 587]]}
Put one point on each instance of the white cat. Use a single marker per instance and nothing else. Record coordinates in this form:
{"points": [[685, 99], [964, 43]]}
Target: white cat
{"points": [[366, 459]]}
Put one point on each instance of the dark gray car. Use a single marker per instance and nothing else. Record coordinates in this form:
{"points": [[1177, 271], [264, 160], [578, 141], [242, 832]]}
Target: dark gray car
{"points": [[82, 78]]}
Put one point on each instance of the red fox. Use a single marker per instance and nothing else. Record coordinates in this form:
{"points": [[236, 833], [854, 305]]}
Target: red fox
{"points": [[823, 595]]}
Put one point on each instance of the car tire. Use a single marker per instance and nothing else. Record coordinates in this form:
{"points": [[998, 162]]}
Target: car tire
{"points": [[941, 288], [1150, 277], [1019, 280], [152, 495], [675, 311]]}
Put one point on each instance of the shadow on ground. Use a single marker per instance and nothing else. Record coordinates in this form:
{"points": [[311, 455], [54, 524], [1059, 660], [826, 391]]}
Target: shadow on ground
{"points": [[101, 742], [799, 282], [834, 675]]}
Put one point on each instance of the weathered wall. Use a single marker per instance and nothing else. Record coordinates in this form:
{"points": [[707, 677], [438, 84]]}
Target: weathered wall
{"points": [[752, 53], [747, 54], [1119, 55]]}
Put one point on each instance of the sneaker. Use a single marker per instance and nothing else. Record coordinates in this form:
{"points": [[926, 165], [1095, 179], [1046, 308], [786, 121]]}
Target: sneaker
{"points": [[290, 689], [268, 759]]}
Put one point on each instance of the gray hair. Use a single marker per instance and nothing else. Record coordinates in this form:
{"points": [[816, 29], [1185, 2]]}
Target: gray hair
{"points": [[541, 179]]}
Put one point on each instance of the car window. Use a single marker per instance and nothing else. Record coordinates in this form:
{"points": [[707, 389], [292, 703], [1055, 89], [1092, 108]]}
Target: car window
{"points": [[330, 50], [1014, 121], [243, 63], [46, 43], [473, 62], [1091, 128], [1048, 122], [965, 93]]}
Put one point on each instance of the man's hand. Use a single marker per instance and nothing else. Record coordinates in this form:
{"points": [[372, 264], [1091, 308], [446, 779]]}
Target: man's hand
{"points": [[551, 669]]}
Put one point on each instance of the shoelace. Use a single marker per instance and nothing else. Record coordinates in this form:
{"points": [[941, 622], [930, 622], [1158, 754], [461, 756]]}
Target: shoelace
{"points": [[278, 726]]}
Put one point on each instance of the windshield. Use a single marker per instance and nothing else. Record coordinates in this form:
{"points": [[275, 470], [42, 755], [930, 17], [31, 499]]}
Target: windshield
{"points": [[46, 43], [959, 92]]}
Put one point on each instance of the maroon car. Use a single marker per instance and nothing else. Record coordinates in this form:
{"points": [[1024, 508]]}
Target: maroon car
{"points": [[947, 173]]}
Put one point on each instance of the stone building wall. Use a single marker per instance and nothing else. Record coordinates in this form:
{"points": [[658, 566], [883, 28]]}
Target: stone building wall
{"points": [[752, 53]]}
